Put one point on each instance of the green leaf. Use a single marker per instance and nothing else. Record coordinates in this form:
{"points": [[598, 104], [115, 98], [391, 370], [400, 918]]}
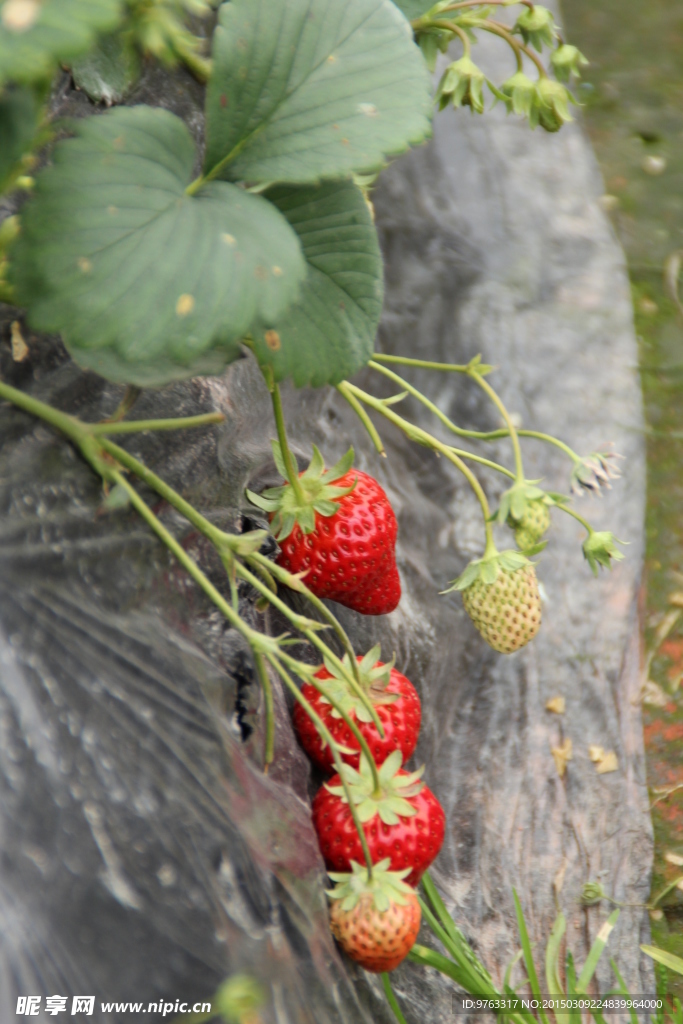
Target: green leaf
{"points": [[329, 333], [670, 960], [414, 8], [528, 956], [309, 89], [596, 952], [34, 36], [19, 110], [108, 71], [146, 283], [552, 956]]}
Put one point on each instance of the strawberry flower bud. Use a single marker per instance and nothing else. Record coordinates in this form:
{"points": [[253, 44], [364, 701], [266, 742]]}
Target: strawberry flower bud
{"points": [[566, 61], [592, 893], [599, 548], [536, 26], [595, 471], [519, 93], [552, 105], [462, 84]]}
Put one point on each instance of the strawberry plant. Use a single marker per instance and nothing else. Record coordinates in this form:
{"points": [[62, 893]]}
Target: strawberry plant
{"points": [[156, 262]]}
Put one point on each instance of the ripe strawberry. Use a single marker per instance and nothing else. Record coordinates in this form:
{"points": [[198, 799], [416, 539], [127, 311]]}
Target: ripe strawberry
{"points": [[500, 594], [403, 821], [394, 697], [375, 920], [343, 537]]}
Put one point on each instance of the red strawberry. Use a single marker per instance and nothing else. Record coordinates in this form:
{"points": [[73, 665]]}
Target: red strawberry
{"points": [[343, 536], [395, 700], [376, 920], [404, 821]]}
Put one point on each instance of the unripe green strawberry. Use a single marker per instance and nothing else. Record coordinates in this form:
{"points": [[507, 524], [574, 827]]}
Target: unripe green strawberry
{"points": [[533, 524], [374, 921], [500, 594]]}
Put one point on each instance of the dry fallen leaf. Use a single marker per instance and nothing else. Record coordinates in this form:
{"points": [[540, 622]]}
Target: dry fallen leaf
{"points": [[676, 598], [608, 763], [653, 694], [556, 704], [674, 858], [561, 755], [19, 346], [666, 625], [596, 753]]}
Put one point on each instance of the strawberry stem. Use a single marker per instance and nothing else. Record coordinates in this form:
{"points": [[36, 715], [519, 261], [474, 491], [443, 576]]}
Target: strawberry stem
{"points": [[485, 386], [327, 736], [363, 417], [262, 671], [422, 437], [575, 515], [481, 435], [287, 457]]}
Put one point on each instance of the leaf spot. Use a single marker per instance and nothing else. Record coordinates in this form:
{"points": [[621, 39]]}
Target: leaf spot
{"points": [[335, 127], [184, 305], [345, 142], [84, 264], [260, 273], [331, 59], [224, 100], [119, 142], [278, 271], [229, 239], [241, 44], [112, 210], [369, 109], [20, 15], [273, 341]]}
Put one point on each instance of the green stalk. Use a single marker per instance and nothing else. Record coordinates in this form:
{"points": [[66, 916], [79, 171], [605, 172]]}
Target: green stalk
{"points": [[440, 415], [314, 639], [136, 426], [254, 638], [318, 684], [287, 457], [363, 417], [481, 435], [422, 437], [69, 425], [485, 386], [575, 515], [262, 672], [327, 736], [497, 29]]}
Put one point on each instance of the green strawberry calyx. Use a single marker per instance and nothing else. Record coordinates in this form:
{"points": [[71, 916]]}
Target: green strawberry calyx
{"points": [[536, 26], [374, 678], [385, 887], [599, 548], [488, 568], [390, 800], [317, 489], [514, 502]]}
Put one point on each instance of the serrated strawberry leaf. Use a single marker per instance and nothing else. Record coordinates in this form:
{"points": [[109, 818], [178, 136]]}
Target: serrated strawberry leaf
{"points": [[310, 89], [35, 36], [19, 111], [146, 283], [329, 331]]}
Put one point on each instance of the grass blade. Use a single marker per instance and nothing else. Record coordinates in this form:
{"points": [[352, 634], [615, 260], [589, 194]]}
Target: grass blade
{"points": [[623, 990], [596, 952], [528, 958], [575, 1014], [552, 956], [391, 999], [670, 960]]}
